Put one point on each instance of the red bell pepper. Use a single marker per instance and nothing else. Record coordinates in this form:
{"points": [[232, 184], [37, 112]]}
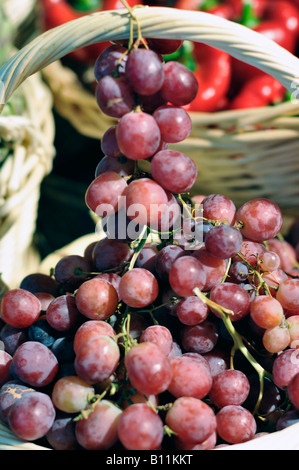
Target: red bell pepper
{"points": [[213, 73], [259, 91], [57, 12]]}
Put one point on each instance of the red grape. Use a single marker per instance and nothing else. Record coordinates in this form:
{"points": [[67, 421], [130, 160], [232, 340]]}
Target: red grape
{"points": [[110, 254], [140, 428], [159, 335], [164, 46], [62, 313], [90, 329], [112, 59], [200, 338], [71, 394], [114, 96], [180, 85], [121, 165], [138, 288], [144, 71], [109, 144], [104, 194], [285, 367], [276, 339], [174, 123], [223, 241], [215, 268], [220, 208], [266, 311], [20, 308], [165, 258], [96, 299], [62, 436], [233, 297], [192, 310], [230, 387], [186, 273], [288, 294], [235, 424]]}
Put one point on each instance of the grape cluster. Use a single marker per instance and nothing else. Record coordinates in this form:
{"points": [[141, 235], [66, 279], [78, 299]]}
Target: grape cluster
{"points": [[180, 333]]}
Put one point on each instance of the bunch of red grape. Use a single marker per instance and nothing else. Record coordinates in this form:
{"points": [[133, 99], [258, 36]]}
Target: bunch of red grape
{"points": [[179, 328]]}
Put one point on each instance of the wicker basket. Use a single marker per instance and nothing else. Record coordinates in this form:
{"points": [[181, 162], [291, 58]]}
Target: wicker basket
{"points": [[21, 174], [236, 133]]}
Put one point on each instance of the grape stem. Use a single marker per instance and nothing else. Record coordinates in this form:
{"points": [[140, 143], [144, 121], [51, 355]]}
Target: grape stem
{"points": [[133, 18], [257, 274], [238, 342]]}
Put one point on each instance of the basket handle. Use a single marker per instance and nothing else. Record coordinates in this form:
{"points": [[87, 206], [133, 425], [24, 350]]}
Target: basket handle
{"points": [[237, 40]]}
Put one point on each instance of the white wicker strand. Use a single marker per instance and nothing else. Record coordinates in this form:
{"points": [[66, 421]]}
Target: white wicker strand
{"points": [[239, 41]]}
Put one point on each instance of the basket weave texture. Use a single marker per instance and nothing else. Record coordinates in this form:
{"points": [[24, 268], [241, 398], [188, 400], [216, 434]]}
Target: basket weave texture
{"points": [[31, 140], [238, 131]]}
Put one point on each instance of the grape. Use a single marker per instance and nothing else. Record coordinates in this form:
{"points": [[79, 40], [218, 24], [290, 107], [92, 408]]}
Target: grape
{"points": [[288, 419], [223, 241], [266, 311], [90, 329], [10, 393], [111, 254], [159, 335], [276, 339], [138, 288], [186, 273], [113, 59], [99, 430], [288, 294], [191, 419], [19, 308], [96, 299], [12, 338], [293, 328], [104, 194], [180, 86], [146, 202], [39, 282], [45, 299], [144, 71], [285, 367], [140, 428], [62, 436], [165, 258], [238, 272], [97, 359], [164, 46], [146, 258], [114, 96], [270, 261], [32, 416], [230, 387], [121, 165], [71, 394], [113, 278], [121, 228], [192, 311], [174, 123], [148, 369], [293, 391], [272, 279], [220, 208], [215, 268], [191, 376], [138, 135], [149, 103], [173, 170], [109, 144], [251, 252], [285, 251], [271, 395], [42, 332], [261, 219], [71, 271], [233, 297], [235, 424], [63, 314], [200, 338], [218, 361], [5, 362], [35, 364]]}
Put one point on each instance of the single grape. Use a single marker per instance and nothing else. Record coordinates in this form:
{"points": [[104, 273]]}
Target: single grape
{"points": [[62, 313], [185, 275], [90, 329], [97, 359], [104, 196], [293, 327], [149, 103], [99, 430], [285, 367], [215, 268], [114, 96], [165, 258], [180, 86], [112, 60], [121, 165], [251, 252], [71, 394], [144, 71], [35, 364], [238, 272], [233, 297], [10, 393], [32, 416], [173, 170], [146, 258], [138, 135], [218, 361], [12, 337], [62, 436], [261, 219], [191, 376], [109, 144], [148, 369], [200, 338], [192, 311], [285, 251], [235, 424], [220, 208], [39, 282], [230, 387], [276, 339], [223, 241], [138, 288], [164, 46], [96, 299], [71, 271], [266, 311], [270, 261], [288, 294], [19, 308], [174, 123], [110, 254], [159, 335], [140, 428], [191, 419]]}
